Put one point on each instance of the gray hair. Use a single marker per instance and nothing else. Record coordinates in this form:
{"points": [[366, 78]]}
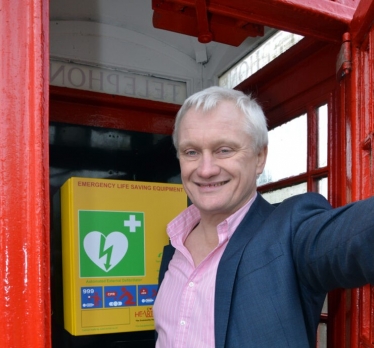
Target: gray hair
{"points": [[208, 99]]}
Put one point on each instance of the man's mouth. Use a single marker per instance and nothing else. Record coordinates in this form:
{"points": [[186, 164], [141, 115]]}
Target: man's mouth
{"points": [[216, 184]]}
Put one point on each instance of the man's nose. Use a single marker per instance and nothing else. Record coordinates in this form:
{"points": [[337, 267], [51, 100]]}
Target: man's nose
{"points": [[208, 166]]}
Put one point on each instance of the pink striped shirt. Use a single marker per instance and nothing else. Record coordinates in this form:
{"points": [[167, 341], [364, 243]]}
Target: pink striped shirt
{"points": [[184, 307]]}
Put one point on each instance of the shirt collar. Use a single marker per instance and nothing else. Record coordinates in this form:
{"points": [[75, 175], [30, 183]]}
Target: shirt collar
{"points": [[185, 222]]}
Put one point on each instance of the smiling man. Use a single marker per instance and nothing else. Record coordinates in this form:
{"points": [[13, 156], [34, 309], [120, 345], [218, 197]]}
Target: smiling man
{"points": [[240, 272], [218, 161]]}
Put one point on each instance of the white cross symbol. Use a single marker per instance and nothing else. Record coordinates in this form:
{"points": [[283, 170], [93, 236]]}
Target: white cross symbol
{"points": [[132, 223]]}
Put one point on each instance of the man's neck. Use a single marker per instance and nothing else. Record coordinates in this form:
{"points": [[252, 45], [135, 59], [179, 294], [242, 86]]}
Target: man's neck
{"points": [[201, 241]]}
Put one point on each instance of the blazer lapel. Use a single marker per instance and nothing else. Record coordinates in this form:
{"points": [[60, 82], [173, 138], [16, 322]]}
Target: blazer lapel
{"points": [[166, 258], [229, 262]]}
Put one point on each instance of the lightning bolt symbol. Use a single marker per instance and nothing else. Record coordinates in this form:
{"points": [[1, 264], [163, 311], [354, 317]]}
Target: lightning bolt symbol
{"points": [[107, 252]]}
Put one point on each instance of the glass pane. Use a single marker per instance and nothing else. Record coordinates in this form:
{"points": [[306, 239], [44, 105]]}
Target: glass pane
{"points": [[287, 155], [323, 187], [280, 195], [322, 136], [325, 306], [322, 336], [257, 59]]}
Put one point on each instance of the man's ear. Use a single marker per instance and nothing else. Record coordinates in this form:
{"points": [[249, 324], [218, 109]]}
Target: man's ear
{"points": [[261, 160]]}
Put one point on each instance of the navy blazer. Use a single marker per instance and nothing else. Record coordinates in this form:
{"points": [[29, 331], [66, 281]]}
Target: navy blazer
{"points": [[280, 263]]}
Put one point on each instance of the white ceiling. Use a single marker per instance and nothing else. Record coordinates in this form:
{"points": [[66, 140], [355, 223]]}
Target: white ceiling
{"points": [[136, 16]]}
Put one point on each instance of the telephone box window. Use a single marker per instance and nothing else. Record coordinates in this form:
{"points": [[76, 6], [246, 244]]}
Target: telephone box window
{"points": [[322, 135], [277, 196], [258, 58], [287, 155]]}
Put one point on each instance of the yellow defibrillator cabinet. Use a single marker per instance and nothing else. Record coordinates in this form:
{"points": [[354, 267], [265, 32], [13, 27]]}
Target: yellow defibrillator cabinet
{"points": [[113, 233]]}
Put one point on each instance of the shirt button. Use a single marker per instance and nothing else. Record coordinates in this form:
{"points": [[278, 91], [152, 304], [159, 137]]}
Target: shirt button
{"points": [[183, 322], [191, 284]]}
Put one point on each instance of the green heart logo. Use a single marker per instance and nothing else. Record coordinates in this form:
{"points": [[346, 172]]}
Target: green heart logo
{"points": [[105, 251], [111, 243]]}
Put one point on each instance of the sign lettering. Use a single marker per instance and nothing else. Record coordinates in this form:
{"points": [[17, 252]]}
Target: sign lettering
{"points": [[116, 82]]}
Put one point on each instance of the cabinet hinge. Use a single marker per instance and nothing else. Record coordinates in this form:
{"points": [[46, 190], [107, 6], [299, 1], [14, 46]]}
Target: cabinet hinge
{"points": [[368, 142], [344, 60]]}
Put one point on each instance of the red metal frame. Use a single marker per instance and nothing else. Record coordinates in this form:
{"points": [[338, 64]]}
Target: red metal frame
{"points": [[25, 312], [361, 121], [195, 20], [111, 111], [322, 19], [281, 81]]}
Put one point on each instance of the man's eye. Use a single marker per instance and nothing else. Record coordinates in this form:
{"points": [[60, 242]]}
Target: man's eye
{"points": [[191, 153], [224, 150]]}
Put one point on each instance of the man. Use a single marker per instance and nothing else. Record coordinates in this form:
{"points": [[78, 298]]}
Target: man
{"points": [[244, 273]]}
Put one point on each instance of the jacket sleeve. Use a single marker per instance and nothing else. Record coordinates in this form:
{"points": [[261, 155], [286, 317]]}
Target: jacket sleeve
{"points": [[333, 247]]}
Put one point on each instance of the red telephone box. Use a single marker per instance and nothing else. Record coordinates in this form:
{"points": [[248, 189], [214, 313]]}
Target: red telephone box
{"points": [[25, 310]]}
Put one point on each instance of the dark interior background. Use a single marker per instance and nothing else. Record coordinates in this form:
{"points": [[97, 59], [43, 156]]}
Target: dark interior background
{"points": [[84, 151]]}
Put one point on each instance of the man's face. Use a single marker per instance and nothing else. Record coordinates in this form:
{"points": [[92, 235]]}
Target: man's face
{"points": [[218, 165]]}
